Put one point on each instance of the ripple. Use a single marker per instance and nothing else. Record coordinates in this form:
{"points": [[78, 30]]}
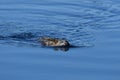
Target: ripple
{"points": [[70, 20]]}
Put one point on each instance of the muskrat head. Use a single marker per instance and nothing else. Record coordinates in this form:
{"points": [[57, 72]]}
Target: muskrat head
{"points": [[62, 43]]}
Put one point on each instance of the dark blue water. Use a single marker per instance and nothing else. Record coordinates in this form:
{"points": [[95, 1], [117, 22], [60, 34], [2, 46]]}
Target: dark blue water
{"points": [[91, 25]]}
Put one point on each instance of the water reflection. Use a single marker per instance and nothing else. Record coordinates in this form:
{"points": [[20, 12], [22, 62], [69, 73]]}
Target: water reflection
{"points": [[64, 49], [61, 49]]}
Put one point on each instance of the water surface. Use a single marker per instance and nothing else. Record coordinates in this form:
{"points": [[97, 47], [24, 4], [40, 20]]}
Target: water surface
{"points": [[93, 25]]}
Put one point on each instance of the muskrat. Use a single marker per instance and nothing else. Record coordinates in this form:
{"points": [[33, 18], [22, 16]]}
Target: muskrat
{"points": [[54, 42]]}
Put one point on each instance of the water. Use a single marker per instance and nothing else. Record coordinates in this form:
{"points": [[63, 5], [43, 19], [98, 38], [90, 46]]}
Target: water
{"points": [[91, 25]]}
